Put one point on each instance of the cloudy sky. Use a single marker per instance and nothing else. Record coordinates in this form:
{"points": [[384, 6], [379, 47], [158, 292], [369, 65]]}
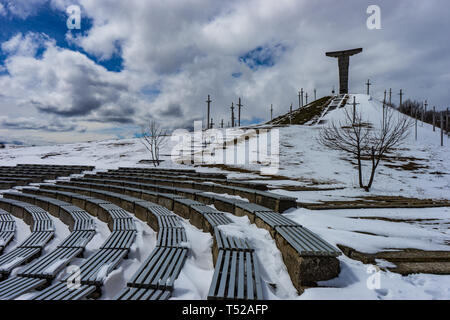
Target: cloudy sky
{"points": [[133, 61]]}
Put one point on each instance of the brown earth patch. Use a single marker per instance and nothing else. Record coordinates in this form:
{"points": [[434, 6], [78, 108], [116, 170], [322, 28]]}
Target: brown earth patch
{"points": [[377, 202], [407, 261]]}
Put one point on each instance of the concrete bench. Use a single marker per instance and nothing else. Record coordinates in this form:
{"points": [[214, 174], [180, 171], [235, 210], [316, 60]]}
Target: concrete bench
{"points": [[236, 277], [61, 291], [48, 266], [308, 257], [97, 267], [160, 269], [143, 294], [16, 286], [7, 229], [31, 247], [53, 166]]}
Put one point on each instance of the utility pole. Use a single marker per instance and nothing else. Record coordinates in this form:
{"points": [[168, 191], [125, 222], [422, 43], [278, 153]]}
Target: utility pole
{"points": [[315, 94], [221, 124], [271, 112], [442, 129], [401, 98], [299, 100], [384, 107], [416, 125], [239, 112], [290, 114], [232, 114], [368, 84], [423, 109], [390, 97], [354, 109], [434, 119], [212, 123], [208, 112], [306, 96], [446, 122], [301, 92]]}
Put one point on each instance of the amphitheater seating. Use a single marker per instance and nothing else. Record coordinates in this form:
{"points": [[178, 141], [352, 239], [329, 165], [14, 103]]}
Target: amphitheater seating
{"points": [[157, 271], [308, 257], [42, 231], [158, 197], [7, 229], [48, 266], [24, 174], [160, 270]]}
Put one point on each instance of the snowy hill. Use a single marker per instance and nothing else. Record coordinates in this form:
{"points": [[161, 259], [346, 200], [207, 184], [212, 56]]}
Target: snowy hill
{"points": [[312, 174]]}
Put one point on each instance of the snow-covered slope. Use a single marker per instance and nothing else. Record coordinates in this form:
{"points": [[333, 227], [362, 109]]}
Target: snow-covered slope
{"points": [[303, 162]]}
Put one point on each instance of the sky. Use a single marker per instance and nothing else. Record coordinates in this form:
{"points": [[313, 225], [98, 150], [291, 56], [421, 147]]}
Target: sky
{"points": [[136, 61]]}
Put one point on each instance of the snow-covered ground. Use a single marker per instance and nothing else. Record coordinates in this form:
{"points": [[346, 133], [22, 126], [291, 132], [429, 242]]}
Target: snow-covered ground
{"points": [[303, 162]]}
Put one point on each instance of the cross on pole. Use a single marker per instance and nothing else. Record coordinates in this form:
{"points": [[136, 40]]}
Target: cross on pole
{"points": [[368, 84], [401, 98], [434, 119], [239, 112], [301, 92], [290, 114], [208, 112], [354, 108], [232, 114]]}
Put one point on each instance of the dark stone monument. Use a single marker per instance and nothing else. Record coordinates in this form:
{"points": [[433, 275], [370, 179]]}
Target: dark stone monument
{"points": [[343, 62]]}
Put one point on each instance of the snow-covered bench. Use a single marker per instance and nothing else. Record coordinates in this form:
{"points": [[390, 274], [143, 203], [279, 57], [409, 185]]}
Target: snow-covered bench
{"points": [[7, 229], [42, 231], [154, 271], [305, 267]]}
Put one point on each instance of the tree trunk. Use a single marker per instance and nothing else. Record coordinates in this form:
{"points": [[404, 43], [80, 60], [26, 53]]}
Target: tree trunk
{"points": [[372, 173]]}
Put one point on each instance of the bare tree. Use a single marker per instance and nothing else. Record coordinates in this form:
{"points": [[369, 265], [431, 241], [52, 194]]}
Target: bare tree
{"points": [[364, 142], [154, 138]]}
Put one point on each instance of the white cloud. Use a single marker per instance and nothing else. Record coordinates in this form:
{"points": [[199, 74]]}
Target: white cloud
{"points": [[189, 49]]}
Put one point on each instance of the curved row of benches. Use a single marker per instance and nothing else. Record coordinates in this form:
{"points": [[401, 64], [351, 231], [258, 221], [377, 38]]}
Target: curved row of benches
{"points": [[7, 229], [192, 175], [42, 271], [273, 201], [308, 257], [24, 174], [42, 231], [236, 273], [94, 270], [159, 271]]}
